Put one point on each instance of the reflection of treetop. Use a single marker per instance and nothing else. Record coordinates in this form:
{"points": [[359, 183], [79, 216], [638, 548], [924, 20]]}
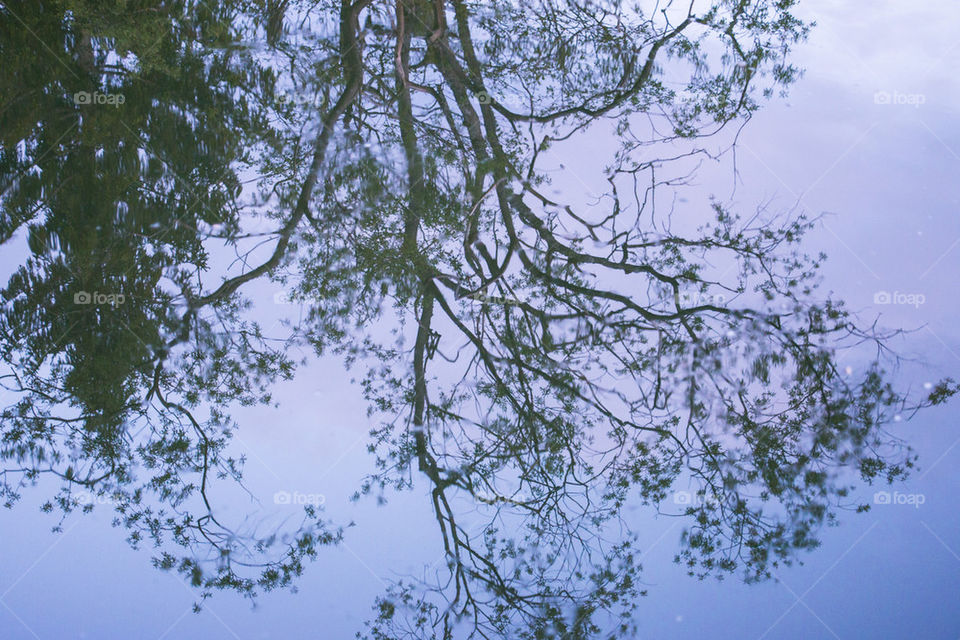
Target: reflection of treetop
{"points": [[550, 362]]}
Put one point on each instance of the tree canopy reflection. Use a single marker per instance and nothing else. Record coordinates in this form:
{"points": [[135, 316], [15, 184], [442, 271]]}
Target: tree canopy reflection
{"points": [[545, 361]]}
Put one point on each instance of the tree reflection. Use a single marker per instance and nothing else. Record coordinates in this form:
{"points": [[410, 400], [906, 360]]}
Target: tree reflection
{"points": [[540, 361]]}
